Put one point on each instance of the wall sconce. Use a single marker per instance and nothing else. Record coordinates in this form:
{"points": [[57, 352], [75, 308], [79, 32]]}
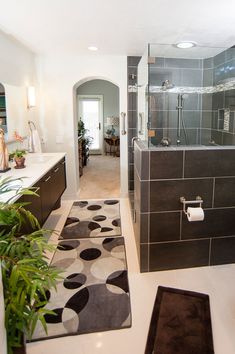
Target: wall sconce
{"points": [[31, 97]]}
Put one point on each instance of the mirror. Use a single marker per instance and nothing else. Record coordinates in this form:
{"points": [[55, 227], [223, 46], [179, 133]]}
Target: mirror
{"points": [[3, 111], [16, 111]]}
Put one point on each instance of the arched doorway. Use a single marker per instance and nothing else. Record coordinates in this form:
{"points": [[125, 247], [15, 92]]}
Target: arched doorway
{"points": [[96, 111]]}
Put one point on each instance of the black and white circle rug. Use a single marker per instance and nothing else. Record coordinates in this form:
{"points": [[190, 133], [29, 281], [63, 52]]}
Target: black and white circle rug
{"points": [[92, 218], [94, 293]]}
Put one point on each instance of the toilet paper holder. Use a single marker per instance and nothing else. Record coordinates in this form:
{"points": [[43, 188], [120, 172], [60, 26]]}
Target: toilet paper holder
{"points": [[198, 200]]}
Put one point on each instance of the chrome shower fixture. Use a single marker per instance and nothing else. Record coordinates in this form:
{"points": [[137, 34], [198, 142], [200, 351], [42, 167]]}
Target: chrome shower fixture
{"points": [[167, 85]]}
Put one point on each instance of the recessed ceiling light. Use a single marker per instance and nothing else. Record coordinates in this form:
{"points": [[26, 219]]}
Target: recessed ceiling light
{"points": [[185, 45], [93, 48]]}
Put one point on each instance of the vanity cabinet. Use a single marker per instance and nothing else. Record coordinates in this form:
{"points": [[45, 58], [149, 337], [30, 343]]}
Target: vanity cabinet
{"points": [[50, 189]]}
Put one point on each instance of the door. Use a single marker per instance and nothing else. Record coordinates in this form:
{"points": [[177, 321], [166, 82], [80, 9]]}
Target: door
{"points": [[90, 111]]}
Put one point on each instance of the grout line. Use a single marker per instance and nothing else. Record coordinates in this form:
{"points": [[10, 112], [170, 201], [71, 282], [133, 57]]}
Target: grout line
{"points": [[190, 239], [213, 193], [179, 210], [149, 157], [187, 178], [183, 163], [181, 217], [209, 261]]}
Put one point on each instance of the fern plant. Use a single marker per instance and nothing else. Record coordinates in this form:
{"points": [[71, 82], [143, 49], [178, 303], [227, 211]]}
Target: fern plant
{"points": [[26, 275]]}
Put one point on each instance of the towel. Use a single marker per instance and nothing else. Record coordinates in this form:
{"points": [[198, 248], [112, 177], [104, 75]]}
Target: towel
{"points": [[34, 143]]}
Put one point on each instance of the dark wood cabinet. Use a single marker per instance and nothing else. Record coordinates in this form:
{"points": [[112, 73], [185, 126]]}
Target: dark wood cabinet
{"points": [[35, 202], [50, 189]]}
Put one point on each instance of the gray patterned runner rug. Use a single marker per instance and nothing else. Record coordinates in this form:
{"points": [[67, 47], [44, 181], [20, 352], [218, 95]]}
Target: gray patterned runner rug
{"points": [[94, 294], [92, 218]]}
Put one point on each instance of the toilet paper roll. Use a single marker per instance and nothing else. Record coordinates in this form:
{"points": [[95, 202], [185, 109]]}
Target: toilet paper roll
{"points": [[195, 214]]}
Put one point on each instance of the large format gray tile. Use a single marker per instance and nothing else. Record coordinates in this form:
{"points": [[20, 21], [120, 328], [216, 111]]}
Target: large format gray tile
{"points": [[165, 195], [144, 220], [175, 255], [208, 163], [219, 58], [230, 54], [207, 102], [224, 195], [132, 101], [217, 100], [191, 77], [144, 258], [230, 99], [208, 77], [166, 164], [182, 63], [191, 119], [222, 250], [144, 165], [164, 226], [157, 101], [132, 119], [133, 60], [217, 222], [207, 120], [208, 63]]}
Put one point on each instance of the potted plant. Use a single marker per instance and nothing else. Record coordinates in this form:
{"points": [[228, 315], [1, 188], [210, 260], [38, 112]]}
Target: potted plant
{"points": [[86, 140], [18, 156], [26, 275]]}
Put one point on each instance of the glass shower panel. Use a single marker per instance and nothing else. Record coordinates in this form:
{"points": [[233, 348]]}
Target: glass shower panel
{"points": [[142, 102], [191, 96]]}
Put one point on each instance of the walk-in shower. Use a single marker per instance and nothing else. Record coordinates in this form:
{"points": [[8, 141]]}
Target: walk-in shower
{"points": [[186, 96], [186, 99]]}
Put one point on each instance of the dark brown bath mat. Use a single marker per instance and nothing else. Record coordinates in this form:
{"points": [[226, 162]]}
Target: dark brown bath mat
{"points": [[180, 323]]}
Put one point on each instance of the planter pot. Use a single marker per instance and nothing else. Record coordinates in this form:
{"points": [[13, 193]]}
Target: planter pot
{"points": [[22, 349], [19, 162]]}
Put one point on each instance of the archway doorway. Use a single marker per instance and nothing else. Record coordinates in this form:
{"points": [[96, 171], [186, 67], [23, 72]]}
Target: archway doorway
{"points": [[97, 116]]}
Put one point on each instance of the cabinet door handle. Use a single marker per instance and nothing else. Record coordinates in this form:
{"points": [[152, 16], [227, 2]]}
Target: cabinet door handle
{"points": [[63, 163], [56, 170], [47, 179]]}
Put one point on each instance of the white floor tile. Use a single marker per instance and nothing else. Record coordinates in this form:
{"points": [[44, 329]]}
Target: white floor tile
{"points": [[217, 281]]}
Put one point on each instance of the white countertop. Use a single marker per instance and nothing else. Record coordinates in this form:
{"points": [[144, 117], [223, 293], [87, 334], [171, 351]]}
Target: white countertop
{"points": [[37, 165]]}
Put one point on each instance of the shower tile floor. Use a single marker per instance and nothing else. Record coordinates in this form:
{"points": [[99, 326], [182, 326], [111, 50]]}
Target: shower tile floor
{"points": [[217, 281]]}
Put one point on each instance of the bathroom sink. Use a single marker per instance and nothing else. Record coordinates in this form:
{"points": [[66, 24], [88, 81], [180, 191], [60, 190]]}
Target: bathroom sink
{"points": [[40, 159]]}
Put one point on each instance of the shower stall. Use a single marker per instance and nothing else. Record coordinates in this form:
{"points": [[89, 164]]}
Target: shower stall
{"points": [[186, 96], [185, 151]]}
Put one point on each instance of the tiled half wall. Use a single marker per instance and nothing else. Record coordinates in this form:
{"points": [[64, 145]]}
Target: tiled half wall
{"points": [[165, 238]]}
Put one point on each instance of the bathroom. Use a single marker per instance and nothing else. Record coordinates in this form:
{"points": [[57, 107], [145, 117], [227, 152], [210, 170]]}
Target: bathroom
{"points": [[186, 101]]}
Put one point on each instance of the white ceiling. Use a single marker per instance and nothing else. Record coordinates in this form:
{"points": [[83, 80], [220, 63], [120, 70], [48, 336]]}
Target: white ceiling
{"points": [[117, 27]]}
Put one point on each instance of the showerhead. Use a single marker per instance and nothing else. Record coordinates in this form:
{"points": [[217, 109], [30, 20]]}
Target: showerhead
{"points": [[167, 85]]}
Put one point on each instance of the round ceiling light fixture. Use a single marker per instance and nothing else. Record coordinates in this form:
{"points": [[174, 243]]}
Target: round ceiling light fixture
{"points": [[185, 45], [92, 48]]}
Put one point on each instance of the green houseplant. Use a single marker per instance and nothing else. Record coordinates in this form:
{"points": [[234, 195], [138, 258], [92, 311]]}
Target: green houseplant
{"points": [[18, 156], [86, 140], [26, 275]]}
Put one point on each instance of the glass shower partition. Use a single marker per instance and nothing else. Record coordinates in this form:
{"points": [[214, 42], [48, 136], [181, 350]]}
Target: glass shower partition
{"points": [[143, 97], [186, 97]]}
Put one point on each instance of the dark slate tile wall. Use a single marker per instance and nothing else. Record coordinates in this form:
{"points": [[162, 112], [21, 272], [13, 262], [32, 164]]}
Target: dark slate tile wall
{"points": [[167, 240], [215, 71], [180, 72], [132, 65], [202, 113]]}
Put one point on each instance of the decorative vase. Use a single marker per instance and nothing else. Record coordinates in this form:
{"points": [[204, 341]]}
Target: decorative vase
{"points": [[19, 162]]}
